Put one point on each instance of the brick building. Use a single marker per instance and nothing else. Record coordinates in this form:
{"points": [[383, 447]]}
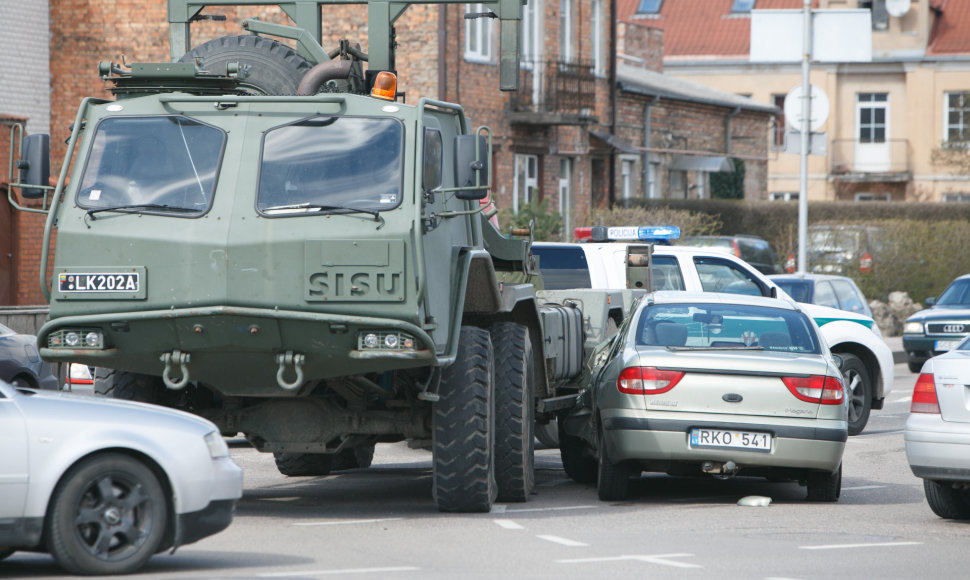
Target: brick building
{"points": [[594, 122]]}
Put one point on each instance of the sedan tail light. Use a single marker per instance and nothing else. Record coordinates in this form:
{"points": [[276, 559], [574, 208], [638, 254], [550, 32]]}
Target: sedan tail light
{"points": [[816, 389], [647, 380], [924, 396]]}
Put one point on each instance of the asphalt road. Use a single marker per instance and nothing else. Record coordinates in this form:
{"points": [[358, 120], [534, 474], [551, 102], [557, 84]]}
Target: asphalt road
{"points": [[381, 523]]}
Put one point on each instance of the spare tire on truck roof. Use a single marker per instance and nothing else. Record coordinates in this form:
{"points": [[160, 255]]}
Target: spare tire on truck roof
{"points": [[272, 67]]}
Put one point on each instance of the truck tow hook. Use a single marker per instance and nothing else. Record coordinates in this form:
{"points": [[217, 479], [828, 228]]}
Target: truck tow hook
{"points": [[181, 359], [284, 360]]}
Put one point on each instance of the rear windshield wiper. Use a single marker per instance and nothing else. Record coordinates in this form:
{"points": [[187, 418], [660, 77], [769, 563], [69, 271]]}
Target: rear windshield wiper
{"points": [[308, 207], [160, 206]]}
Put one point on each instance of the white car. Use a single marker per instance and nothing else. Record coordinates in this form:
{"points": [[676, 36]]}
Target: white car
{"points": [[937, 433], [102, 485], [867, 360]]}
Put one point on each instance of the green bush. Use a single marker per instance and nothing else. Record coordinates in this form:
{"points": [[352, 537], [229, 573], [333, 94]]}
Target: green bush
{"points": [[925, 249], [547, 224]]}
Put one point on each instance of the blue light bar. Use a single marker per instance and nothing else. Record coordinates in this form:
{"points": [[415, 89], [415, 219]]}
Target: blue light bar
{"points": [[656, 234]]}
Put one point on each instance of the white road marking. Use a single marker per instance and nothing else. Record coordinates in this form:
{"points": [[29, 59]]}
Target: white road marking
{"points": [[873, 545], [563, 541], [662, 559], [904, 400], [338, 572], [346, 522], [508, 525], [862, 487], [497, 508], [553, 509]]}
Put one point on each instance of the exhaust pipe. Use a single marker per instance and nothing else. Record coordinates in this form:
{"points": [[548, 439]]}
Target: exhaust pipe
{"points": [[321, 73], [717, 468]]}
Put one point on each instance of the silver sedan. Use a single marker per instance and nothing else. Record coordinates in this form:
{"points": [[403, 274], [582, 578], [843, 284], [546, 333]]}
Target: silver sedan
{"points": [[717, 384], [102, 485], [937, 432]]}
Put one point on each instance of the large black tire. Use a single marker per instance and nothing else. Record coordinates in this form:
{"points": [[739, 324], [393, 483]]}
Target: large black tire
{"points": [[548, 434], [304, 464], [359, 457], [514, 412], [130, 386], [273, 67], [613, 479], [108, 515], [580, 466], [464, 426], [825, 486], [947, 501], [914, 367], [858, 389]]}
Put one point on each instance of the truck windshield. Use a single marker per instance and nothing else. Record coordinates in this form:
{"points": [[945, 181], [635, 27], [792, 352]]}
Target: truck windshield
{"points": [[158, 164], [331, 165]]}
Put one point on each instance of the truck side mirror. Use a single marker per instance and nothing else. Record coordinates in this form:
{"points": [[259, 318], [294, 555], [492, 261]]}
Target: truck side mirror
{"points": [[35, 164], [471, 166]]}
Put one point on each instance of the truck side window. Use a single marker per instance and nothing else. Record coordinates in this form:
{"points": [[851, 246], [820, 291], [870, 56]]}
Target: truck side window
{"points": [[724, 276]]}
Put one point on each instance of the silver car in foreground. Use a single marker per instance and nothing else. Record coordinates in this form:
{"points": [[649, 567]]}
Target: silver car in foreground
{"points": [[706, 383], [937, 432], [102, 485]]}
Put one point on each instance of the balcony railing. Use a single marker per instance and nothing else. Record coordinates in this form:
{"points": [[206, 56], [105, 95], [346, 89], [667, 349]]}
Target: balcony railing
{"points": [[555, 86], [854, 160]]}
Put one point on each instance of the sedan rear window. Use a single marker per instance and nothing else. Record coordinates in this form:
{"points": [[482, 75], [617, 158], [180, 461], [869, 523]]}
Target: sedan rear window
{"points": [[726, 326]]}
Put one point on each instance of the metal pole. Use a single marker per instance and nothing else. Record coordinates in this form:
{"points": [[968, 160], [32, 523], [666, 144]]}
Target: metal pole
{"points": [[805, 133]]}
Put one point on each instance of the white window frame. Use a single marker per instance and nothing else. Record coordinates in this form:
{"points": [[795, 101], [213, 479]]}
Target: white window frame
{"points": [[478, 36], [531, 33], [597, 40], [951, 197], [964, 123], [866, 196], [565, 193], [565, 30], [783, 196], [526, 179], [653, 181], [628, 165]]}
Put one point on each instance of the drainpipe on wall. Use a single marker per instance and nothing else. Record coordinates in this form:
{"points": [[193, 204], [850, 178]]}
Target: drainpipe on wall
{"points": [[612, 81], [727, 130], [646, 145], [442, 52]]}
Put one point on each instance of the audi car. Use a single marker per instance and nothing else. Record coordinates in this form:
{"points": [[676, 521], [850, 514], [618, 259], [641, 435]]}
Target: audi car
{"points": [[939, 328]]}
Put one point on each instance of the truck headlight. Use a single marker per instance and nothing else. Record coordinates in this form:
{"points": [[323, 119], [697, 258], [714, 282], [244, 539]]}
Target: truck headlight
{"points": [[385, 340], [76, 338]]}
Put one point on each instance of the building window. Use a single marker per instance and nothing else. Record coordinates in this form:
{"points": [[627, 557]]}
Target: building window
{"points": [[780, 130], [957, 127], [526, 180], [565, 193], [649, 6], [880, 16], [872, 116], [597, 41], [626, 178], [653, 181], [873, 197], [565, 30], [678, 184], [531, 33], [742, 6], [783, 196], [956, 197], [478, 35]]}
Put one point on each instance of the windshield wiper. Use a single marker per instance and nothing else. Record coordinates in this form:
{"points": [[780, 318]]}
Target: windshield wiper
{"points": [[324, 208], [162, 206]]}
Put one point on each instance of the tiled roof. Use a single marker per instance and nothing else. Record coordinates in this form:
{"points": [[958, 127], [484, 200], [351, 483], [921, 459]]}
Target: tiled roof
{"points": [[949, 34], [702, 27]]}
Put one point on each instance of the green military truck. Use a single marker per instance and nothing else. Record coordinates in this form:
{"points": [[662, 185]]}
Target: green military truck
{"points": [[268, 237]]}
